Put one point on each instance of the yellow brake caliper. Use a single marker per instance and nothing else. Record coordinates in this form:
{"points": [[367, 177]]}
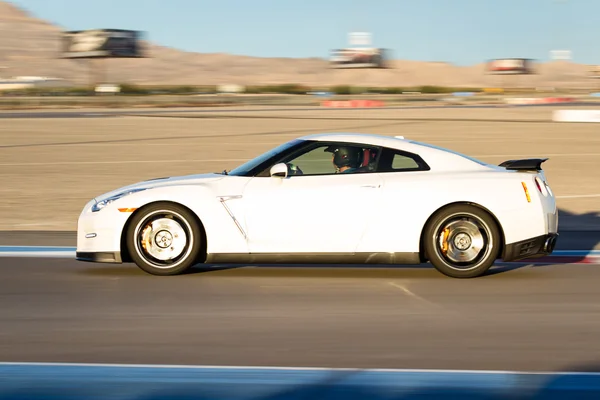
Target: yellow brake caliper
{"points": [[445, 240], [146, 240]]}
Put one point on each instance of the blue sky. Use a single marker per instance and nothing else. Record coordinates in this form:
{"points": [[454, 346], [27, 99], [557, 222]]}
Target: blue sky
{"points": [[462, 32]]}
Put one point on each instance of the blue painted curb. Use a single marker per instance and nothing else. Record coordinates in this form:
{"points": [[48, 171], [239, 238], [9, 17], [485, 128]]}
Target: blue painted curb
{"points": [[576, 253], [65, 249], [34, 249], [85, 381], [37, 251]]}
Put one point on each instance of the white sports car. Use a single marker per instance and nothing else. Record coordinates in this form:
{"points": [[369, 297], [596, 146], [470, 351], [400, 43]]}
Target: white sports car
{"points": [[330, 198]]}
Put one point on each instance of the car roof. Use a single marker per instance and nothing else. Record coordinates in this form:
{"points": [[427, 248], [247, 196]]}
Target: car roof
{"points": [[438, 158], [363, 138]]}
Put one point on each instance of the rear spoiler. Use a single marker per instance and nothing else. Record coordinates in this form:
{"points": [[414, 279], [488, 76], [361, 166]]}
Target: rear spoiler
{"points": [[525, 164]]}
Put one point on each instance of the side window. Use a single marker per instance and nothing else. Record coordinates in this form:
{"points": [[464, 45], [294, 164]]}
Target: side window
{"points": [[316, 161], [398, 161], [333, 158], [402, 161]]}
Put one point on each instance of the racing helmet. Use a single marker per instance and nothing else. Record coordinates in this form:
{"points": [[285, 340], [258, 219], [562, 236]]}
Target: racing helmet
{"points": [[345, 156]]}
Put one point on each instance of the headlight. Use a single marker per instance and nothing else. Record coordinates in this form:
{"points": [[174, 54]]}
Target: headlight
{"points": [[101, 204]]}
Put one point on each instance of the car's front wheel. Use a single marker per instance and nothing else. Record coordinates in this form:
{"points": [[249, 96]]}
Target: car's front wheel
{"points": [[164, 239], [462, 241]]}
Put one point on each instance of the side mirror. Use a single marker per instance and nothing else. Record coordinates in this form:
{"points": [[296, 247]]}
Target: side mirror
{"points": [[279, 170]]}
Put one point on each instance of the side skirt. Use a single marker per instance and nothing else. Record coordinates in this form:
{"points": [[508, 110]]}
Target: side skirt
{"points": [[314, 258], [111, 257]]}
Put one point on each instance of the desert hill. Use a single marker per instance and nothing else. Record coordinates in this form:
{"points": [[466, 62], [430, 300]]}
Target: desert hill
{"points": [[30, 46]]}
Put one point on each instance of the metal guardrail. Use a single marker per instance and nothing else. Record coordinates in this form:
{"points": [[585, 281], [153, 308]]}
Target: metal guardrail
{"points": [[137, 382]]}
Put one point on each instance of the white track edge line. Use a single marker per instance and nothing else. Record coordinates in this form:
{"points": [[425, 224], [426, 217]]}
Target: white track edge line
{"points": [[241, 367]]}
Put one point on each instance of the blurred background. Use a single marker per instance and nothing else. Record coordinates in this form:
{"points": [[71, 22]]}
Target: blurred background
{"points": [[98, 95], [390, 47]]}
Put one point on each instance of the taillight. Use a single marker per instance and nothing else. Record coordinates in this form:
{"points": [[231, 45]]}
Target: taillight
{"points": [[542, 187], [526, 192]]}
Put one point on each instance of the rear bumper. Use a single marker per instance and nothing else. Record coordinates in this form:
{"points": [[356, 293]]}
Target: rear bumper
{"points": [[539, 246], [113, 257]]}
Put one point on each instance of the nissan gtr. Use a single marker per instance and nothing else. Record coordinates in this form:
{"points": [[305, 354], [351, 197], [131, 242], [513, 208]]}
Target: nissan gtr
{"points": [[343, 198]]}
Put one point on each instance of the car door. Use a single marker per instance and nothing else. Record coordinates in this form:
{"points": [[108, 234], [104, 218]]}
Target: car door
{"points": [[313, 209], [406, 203]]}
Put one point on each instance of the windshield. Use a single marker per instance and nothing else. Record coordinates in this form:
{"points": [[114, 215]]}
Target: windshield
{"points": [[249, 166]]}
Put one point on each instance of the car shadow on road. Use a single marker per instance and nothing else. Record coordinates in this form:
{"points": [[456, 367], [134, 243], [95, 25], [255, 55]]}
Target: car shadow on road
{"points": [[362, 271]]}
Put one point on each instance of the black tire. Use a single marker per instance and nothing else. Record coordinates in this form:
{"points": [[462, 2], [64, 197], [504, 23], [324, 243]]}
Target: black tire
{"points": [[467, 226], [177, 232]]}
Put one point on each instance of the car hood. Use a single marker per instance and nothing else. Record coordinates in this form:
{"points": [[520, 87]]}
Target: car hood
{"points": [[163, 182]]}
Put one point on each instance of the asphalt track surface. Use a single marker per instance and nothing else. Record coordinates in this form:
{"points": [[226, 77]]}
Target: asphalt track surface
{"points": [[519, 317], [141, 111]]}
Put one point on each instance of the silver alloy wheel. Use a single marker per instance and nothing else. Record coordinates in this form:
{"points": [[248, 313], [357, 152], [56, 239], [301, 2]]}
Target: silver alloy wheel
{"points": [[463, 240], [163, 238]]}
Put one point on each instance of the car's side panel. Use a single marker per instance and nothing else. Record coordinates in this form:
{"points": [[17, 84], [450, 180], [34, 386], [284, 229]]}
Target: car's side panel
{"points": [[224, 235], [217, 206], [309, 214], [410, 198], [398, 217]]}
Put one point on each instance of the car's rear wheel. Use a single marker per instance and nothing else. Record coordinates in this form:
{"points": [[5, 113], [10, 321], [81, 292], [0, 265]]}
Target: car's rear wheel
{"points": [[164, 239], [462, 241]]}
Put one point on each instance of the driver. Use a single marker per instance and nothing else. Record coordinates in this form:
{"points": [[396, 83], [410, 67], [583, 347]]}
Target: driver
{"points": [[346, 159]]}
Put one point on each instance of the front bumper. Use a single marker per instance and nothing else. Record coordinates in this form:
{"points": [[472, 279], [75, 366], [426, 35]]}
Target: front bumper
{"points": [[539, 246], [99, 235]]}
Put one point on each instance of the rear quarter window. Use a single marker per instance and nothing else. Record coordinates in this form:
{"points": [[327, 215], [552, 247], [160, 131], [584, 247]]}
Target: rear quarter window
{"points": [[401, 161], [398, 161]]}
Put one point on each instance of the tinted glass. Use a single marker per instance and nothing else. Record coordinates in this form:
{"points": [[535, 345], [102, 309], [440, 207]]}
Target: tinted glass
{"points": [[397, 161], [402, 161], [319, 159]]}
